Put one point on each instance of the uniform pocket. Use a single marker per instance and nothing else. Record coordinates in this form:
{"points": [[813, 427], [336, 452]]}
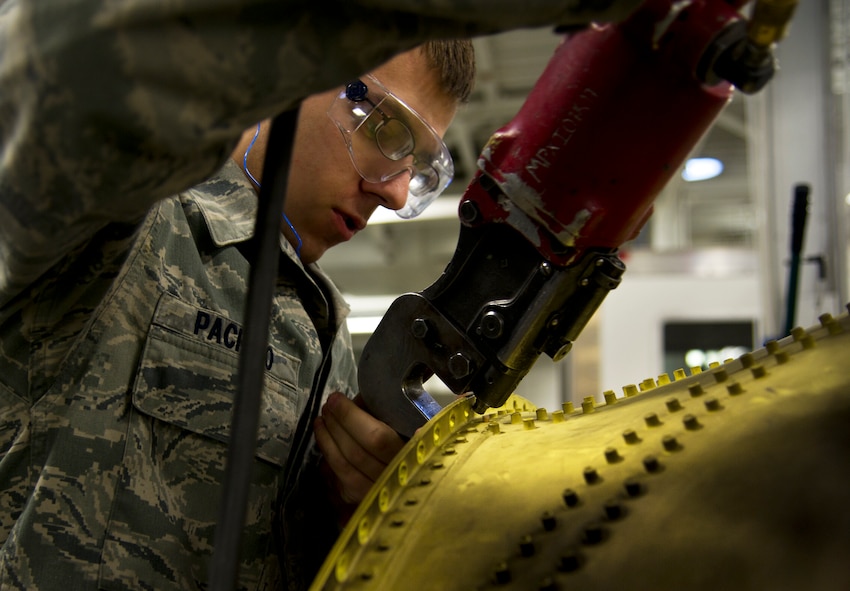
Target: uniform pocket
{"points": [[161, 531]]}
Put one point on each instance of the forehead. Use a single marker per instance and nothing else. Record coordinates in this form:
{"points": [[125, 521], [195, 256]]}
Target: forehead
{"points": [[409, 77]]}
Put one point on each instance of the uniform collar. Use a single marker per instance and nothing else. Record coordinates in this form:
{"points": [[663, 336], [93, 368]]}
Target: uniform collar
{"points": [[228, 204]]}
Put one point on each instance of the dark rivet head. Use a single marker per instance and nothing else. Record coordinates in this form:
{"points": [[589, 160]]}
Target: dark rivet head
{"points": [[549, 521], [781, 357], [449, 451], [713, 404], [747, 360], [366, 576], [419, 328], [613, 509], [772, 346], [734, 389], [633, 487], [570, 497], [691, 422], [720, 375], [651, 464], [411, 502], [652, 420], [695, 389], [611, 455], [502, 574], [591, 476], [593, 534], [798, 332], [673, 405], [670, 443], [396, 522], [526, 546], [424, 482], [630, 436], [758, 371], [437, 465], [569, 561]]}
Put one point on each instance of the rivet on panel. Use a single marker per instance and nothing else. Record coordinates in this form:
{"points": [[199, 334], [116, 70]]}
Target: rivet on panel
{"points": [[713, 404], [695, 389], [747, 360], [549, 521], [396, 522], [807, 341], [366, 576], [363, 530], [437, 465], [411, 501], [502, 574], [630, 390], [613, 509], [569, 561], [831, 324], [713, 364], [542, 414], [691, 422], [651, 464], [568, 408], [758, 371], [558, 416], [663, 379], [424, 481], [647, 384], [633, 487], [494, 428], [652, 420], [593, 534], [720, 375], [772, 346], [610, 397], [516, 418], [781, 357], [591, 475], [612, 456], [449, 451], [670, 443], [460, 440], [696, 370], [570, 497], [526, 546], [630, 436], [528, 424], [588, 404], [673, 404], [798, 332], [679, 374], [734, 389]]}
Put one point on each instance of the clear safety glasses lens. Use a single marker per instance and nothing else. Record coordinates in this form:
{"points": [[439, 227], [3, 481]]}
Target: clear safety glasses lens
{"points": [[386, 138]]}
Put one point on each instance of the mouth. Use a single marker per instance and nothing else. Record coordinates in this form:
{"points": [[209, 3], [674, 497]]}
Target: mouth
{"points": [[347, 224], [353, 223]]}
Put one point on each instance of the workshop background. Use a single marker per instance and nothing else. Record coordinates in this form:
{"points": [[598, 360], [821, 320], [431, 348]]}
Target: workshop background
{"points": [[707, 278]]}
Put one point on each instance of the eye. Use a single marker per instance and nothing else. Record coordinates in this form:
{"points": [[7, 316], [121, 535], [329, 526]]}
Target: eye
{"points": [[394, 139]]}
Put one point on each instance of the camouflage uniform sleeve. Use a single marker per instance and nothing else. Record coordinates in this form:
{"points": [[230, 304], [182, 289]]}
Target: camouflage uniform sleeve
{"points": [[144, 98]]}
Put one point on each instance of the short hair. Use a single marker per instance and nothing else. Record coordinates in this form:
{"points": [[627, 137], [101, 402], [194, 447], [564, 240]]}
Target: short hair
{"points": [[454, 59]]}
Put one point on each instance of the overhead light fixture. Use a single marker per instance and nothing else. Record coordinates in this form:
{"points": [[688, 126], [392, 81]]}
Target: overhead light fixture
{"points": [[701, 169]]}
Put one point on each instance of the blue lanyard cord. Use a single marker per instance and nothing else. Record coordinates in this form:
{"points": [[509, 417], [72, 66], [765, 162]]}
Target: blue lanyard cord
{"points": [[256, 182]]}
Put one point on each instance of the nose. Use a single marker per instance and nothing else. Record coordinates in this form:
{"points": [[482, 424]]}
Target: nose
{"points": [[392, 193]]}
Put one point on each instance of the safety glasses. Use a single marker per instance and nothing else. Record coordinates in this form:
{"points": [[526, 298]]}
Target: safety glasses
{"points": [[386, 138]]}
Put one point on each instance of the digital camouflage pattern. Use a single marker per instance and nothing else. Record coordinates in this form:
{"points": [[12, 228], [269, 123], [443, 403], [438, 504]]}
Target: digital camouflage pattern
{"points": [[112, 474], [121, 306]]}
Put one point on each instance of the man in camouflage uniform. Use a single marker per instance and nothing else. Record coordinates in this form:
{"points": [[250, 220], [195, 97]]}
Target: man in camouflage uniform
{"points": [[121, 309]]}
